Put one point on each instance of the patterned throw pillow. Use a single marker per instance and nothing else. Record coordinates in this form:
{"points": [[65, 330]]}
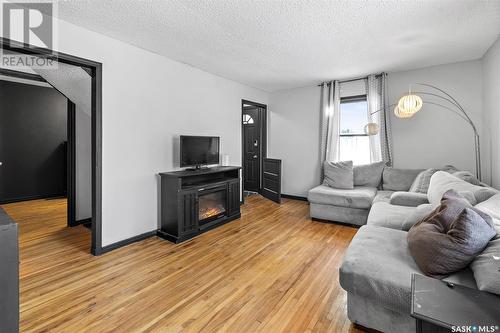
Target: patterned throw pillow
{"points": [[421, 183]]}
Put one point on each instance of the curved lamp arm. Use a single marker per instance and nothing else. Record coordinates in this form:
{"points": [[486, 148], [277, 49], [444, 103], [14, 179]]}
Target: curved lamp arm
{"points": [[454, 107], [449, 99], [433, 103]]}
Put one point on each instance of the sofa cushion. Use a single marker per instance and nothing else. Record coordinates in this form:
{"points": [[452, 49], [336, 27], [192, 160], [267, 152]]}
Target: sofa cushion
{"points": [[416, 215], [492, 208], [383, 196], [358, 197], [467, 177], [383, 214], [378, 266], [449, 168], [440, 252], [486, 266], [421, 182], [398, 179], [337, 214], [450, 237], [339, 174], [368, 174], [410, 199], [442, 181]]}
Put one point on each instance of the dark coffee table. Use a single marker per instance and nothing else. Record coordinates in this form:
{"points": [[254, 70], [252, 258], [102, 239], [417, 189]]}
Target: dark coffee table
{"points": [[439, 306]]}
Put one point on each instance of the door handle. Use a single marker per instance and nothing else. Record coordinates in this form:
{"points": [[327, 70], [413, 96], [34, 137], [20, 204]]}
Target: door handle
{"points": [[255, 156], [256, 143]]}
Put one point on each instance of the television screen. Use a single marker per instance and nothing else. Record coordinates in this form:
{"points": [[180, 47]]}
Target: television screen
{"points": [[199, 150]]}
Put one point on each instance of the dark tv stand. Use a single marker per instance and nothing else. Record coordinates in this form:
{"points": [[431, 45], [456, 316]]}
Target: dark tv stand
{"points": [[193, 202], [198, 167]]}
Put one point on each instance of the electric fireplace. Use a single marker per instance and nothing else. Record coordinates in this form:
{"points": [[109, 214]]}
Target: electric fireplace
{"points": [[193, 202], [211, 204]]}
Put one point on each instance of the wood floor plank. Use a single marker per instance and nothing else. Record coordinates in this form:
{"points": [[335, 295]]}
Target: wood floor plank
{"points": [[273, 270]]}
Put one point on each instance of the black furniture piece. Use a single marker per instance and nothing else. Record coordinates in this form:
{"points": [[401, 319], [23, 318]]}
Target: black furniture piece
{"points": [[271, 180], [439, 306], [9, 275], [194, 201]]}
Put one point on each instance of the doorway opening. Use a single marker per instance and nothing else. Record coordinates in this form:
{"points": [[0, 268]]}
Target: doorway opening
{"points": [[254, 145], [94, 106]]}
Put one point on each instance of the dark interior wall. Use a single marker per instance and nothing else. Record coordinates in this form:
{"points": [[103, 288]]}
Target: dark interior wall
{"points": [[33, 134]]}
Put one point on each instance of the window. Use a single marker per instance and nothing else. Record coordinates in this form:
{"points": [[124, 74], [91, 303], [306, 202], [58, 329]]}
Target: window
{"points": [[354, 144], [247, 119]]}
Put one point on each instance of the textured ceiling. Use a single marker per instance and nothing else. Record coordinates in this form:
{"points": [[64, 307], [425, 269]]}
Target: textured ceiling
{"points": [[276, 45]]}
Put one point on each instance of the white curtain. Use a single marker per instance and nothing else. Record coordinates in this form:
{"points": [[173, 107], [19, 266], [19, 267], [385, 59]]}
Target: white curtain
{"points": [[330, 123], [378, 112]]}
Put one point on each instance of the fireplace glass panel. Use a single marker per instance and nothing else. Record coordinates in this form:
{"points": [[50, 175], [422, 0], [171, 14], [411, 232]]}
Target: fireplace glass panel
{"points": [[211, 206]]}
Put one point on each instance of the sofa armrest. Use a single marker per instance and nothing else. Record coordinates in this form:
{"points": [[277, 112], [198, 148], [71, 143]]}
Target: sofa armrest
{"points": [[410, 199]]}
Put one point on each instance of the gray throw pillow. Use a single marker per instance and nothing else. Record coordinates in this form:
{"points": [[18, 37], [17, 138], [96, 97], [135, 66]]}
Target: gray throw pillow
{"points": [[486, 266], [469, 196], [421, 183], [409, 199], [492, 208], [368, 174], [484, 194], [449, 238], [449, 169], [419, 213], [339, 174], [468, 177], [398, 179], [443, 181]]}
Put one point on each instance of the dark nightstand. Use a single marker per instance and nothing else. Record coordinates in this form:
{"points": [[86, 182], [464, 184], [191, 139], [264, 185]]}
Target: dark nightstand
{"points": [[439, 306]]}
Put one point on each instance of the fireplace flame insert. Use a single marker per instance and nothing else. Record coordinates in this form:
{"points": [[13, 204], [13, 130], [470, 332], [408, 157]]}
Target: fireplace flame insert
{"points": [[211, 204]]}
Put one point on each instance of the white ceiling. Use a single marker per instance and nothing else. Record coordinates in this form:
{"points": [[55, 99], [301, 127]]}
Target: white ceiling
{"points": [[276, 45]]}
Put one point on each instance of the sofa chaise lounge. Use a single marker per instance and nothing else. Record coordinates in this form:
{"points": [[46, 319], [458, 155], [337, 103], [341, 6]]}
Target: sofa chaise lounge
{"points": [[377, 267]]}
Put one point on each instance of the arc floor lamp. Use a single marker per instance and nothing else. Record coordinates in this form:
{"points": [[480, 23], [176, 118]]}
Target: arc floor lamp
{"points": [[411, 103]]}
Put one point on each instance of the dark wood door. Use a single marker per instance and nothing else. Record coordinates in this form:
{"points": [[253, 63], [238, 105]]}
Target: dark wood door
{"points": [[188, 212], [252, 149], [233, 198], [271, 182]]}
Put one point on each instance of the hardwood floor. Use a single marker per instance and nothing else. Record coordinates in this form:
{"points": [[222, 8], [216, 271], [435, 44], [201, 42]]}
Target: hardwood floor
{"points": [[274, 270]]}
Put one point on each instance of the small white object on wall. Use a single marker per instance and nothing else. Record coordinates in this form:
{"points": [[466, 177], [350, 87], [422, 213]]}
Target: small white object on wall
{"points": [[225, 160]]}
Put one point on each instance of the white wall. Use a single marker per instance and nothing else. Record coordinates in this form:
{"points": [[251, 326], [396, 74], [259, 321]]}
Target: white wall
{"points": [[432, 138], [491, 115], [294, 133], [75, 84], [83, 165], [148, 100]]}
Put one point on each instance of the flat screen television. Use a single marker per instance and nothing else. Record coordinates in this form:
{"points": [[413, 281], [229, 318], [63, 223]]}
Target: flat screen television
{"points": [[199, 150]]}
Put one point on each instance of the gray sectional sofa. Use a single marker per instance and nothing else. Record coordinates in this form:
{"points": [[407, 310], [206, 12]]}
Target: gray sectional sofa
{"points": [[377, 267], [352, 206]]}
